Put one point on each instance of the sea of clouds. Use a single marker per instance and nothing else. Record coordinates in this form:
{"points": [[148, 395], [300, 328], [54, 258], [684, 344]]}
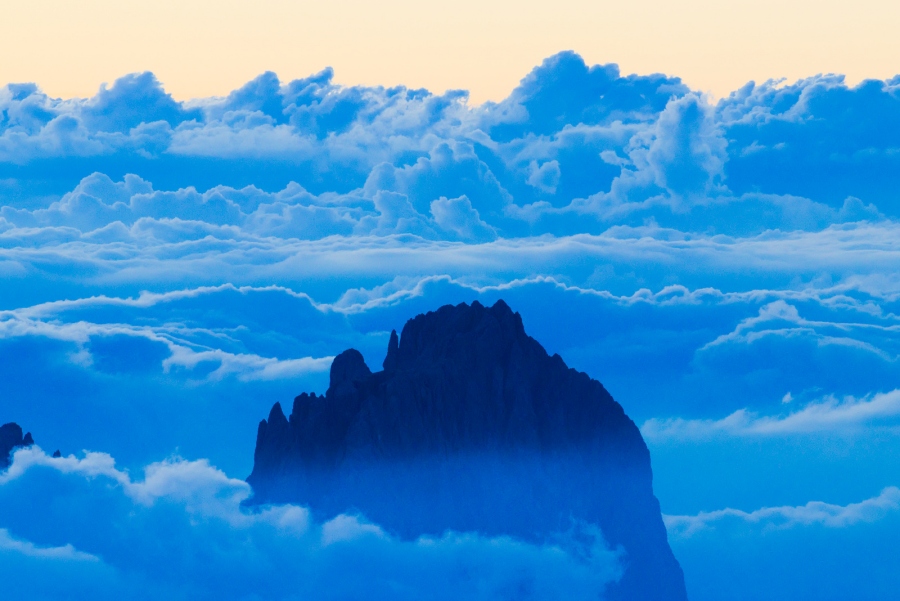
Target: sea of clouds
{"points": [[728, 269]]}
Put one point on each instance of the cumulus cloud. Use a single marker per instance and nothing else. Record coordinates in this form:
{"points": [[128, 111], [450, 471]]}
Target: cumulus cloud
{"points": [[458, 216], [180, 532], [563, 90], [246, 367], [817, 137], [622, 150], [561, 137], [683, 154]]}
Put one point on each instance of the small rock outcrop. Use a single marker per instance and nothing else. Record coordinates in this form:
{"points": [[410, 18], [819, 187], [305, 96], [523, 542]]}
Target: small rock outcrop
{"points": [[11, 438], [472, 427]]}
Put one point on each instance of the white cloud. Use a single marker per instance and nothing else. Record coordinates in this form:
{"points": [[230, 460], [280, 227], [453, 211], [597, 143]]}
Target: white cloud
{"points": [[545, 176], [811, 514], [66, 552], [183, 352], [245, 366], [458, 216], [828, 415], [780, 312]]}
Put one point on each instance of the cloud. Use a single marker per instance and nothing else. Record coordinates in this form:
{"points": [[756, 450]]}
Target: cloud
{"points": [[133, 100], [211, 252], [546, 142], [246, 367], [185, 346], [563, 90], [180, 532], [784, 553], [828, 415], [545, 176], [66, 552], [817, 138], [458, 216], [813, 513], [774, 316], [688, 152], [450, 170]]}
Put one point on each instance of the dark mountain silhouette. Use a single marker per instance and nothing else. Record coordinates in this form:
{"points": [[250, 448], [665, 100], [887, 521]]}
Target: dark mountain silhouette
{"points": [[11, 439], [472, 426]]}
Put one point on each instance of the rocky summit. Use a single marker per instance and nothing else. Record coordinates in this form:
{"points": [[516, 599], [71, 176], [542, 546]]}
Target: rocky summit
{"points": [[11, 439], [471, 426]]}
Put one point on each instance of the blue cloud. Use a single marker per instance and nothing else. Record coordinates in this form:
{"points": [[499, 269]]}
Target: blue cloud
{"points": [[817, 138], [180, 533], [133, 100], [565, 91]]}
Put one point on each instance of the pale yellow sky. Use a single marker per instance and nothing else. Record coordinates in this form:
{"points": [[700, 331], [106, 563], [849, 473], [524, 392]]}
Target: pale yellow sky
{"points": [[209, 47]]}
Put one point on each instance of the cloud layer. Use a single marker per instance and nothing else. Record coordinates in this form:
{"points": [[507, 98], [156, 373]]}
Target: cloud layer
{"points": [[170, 269]]}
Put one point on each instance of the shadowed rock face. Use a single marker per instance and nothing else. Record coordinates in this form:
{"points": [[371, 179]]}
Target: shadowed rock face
{"points": [[11, 439], [472, 426]]}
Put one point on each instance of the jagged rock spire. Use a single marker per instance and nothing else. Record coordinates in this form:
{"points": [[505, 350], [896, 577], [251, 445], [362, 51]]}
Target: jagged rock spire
{"points": [[11, 438], [471, 426]]}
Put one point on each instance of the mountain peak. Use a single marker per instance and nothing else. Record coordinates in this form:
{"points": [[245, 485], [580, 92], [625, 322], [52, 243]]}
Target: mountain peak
{"points": [[471, 426], [11, 438], [347, 368], [452, 330], [390, 360]]}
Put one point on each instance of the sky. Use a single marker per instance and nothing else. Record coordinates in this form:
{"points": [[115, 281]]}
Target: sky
{"points": [[180, 249], [209, 47]]}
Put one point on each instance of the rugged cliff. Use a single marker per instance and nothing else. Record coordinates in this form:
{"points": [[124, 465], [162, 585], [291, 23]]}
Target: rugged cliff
{"points": [[11, 439], [472, 426]]}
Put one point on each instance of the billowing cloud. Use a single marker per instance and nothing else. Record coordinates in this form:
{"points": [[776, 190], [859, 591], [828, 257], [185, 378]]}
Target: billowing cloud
{"points": [[566, 134], [180, 533]]}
